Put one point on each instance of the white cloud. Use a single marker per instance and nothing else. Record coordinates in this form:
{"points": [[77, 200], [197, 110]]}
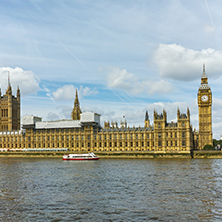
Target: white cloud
{"points": [[216, 117], [65, 111], [217, 133], [67, 92], [209, 29], [85, 91], [52, 116], [122, 79], [59, 112], [133, 116], [161, 86], [27, 81], [179, 63]]}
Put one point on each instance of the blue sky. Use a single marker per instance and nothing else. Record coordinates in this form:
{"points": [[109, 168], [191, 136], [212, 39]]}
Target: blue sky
{"points": [[124, 57]]}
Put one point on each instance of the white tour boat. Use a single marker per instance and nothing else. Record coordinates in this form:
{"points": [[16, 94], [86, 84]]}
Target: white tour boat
{"points": [[89, 156]]}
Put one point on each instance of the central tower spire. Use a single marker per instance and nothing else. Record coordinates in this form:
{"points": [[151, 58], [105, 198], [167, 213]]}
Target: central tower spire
{"points": [[76, 110]]}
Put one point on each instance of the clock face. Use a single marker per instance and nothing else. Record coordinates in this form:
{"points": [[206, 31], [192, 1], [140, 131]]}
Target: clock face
{"points": [[204, 98]]}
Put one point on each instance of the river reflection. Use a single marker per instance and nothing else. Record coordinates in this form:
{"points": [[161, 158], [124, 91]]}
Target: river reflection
{"points": [[110, 190]]}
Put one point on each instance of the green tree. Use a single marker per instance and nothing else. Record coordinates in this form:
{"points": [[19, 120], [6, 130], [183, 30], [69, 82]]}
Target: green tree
{"points": [[216, 142], [209, 147]]}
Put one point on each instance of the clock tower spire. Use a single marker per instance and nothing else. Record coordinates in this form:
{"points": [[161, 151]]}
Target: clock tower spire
{"points": [[205, 112]]}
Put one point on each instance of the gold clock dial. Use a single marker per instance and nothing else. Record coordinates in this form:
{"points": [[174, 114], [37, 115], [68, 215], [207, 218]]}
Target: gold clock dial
{"points": [[204, 98]]}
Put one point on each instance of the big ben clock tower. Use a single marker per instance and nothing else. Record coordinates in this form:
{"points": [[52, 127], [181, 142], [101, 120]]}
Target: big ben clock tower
{"points": [[205, 112]]}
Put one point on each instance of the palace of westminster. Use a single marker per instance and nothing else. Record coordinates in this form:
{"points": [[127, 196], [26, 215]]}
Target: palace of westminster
{"points": [[83, 132]]}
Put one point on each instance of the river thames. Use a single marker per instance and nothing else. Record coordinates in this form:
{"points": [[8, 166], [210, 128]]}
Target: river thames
{"points": [[110, 190]]}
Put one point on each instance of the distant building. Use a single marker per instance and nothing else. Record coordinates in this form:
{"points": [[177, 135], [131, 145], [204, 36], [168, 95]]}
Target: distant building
{"points": [[83, 133]]}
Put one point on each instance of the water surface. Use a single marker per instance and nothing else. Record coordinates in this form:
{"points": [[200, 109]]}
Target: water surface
{"points": [[110, 190]]}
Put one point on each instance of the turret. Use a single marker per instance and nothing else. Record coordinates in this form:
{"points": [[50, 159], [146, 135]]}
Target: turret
{"points": [[146, 116], [188, 113], [123, 123], [178, 113], [114, 124], [18, 93], [9, 89], [106, 124], [164, 115], [155, 114], [147, 121], [18, 109]]}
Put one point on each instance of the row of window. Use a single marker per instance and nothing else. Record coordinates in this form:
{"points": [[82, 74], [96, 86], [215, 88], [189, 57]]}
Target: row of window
{"points": [[121, 136], [52, 138], [129, 149], [170, 143], [48, 138], [172, 135], [120, 144], [4, 112], [4, 127], [12, 139]]}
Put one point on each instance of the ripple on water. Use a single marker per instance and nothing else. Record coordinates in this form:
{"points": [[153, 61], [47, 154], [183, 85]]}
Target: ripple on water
{"points": [[110, 190]]}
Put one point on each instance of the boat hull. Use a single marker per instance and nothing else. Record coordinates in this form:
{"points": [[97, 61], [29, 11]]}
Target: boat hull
{"points": [[77, 159]]}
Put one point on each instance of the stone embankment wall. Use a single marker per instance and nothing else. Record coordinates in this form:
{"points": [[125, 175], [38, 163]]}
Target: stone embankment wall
{"points": [[207, 154], [102, 155], [120, 155]]}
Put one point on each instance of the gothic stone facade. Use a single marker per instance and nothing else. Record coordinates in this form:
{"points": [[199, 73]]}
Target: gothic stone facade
{"points": [[83, 133], [10, 110], [86, 135]]}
